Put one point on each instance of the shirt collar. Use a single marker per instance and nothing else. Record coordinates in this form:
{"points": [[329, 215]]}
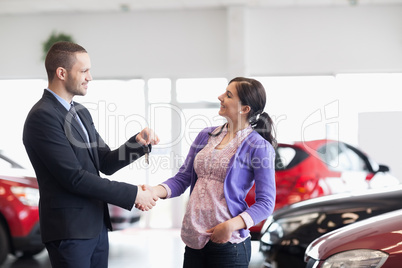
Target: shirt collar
{"points": [[240, 133], [60, 99]]}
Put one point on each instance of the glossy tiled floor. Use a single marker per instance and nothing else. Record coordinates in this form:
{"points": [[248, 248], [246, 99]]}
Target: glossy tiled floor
{"points": [[136, 247]]}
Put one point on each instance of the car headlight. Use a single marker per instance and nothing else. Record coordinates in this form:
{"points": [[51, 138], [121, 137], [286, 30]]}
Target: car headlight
{"points": [[27, 195], [267, 223], [357, 258], [282, 227]]}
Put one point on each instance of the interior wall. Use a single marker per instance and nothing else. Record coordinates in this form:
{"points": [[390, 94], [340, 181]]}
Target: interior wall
{"points": [[380, 136], [325, 40], [121, 45], [223, 43], [196, 43]]}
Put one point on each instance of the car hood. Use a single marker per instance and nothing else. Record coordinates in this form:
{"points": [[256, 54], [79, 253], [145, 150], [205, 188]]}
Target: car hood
{"points": [[383, 232], [344, 200]]}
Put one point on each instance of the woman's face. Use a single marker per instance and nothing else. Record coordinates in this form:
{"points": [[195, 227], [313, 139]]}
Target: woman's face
{"points": [[230, 103]]}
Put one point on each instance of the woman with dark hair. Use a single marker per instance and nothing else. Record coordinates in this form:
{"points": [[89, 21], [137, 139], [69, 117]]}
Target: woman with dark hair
{"points": [[222, 165]]}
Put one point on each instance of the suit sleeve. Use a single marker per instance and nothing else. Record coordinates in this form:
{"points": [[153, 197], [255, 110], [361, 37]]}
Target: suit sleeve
{"points": [[45, 139]]}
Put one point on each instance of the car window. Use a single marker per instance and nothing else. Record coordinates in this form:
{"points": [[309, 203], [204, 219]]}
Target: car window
{"points": [[340, 157], [335, 156], [5, 164], [344, 160], [288, 157], [357, 163], [360, 160]]}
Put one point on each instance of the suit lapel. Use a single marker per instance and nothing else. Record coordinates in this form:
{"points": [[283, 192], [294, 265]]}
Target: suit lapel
{"points": [[72, 126], [92, 139]]}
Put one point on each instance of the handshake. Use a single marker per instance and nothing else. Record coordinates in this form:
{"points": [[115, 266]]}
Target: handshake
{"points": [[148, 195]]}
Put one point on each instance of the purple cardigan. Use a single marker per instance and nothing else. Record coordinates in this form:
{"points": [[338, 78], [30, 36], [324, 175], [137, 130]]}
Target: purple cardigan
{"points": [[252, 162]]}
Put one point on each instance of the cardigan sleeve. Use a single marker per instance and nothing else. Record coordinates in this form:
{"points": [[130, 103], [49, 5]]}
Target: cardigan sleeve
{"points": [[253, 163], [263, 165]]}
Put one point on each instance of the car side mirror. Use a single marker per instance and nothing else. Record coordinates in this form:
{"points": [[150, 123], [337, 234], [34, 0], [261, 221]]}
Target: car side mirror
{"points": [[383, 168]]}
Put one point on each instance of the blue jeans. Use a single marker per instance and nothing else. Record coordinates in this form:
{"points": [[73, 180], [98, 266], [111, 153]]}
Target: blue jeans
{"points": [[219, 255]]}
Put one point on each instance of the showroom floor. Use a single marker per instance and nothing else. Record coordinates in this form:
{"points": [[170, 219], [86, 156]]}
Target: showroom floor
{"points": [[136, 247]]}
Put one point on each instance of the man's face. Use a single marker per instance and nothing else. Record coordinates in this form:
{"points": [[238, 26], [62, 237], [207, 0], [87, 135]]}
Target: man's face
{"points": [[79, 75]]}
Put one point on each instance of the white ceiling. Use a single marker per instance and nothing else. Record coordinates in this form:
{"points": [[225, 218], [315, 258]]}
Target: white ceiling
{"points": [[51, 6]]}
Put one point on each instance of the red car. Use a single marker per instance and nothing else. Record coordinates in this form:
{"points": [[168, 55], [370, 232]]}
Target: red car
{"points": [[19, 217], [19, 213], [374, 242], [309, 169]]}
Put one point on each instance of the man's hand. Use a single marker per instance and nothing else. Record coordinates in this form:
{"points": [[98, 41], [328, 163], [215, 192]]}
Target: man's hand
{"points": [[146, 198], [157, 192], [147, 136]]}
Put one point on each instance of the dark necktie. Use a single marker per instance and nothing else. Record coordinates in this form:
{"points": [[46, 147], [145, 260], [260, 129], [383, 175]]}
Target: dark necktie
{"points": [[73, 112]]}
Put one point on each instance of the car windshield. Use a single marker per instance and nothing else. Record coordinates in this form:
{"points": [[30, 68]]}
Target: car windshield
{"points": [[6, 162]]}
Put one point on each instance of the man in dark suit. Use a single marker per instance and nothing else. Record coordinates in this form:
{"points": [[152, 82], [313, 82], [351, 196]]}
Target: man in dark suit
{"points": [[68, 155]]}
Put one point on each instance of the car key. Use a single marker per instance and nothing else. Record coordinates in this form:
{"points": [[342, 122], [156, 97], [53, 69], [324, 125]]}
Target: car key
{"points": [[146, 153]]}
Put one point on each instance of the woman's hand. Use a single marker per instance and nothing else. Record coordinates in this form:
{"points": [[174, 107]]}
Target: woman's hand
{"points": [[221, 233]]}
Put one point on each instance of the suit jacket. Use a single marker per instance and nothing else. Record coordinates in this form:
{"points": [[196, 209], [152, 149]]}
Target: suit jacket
{"points": [[73, 196]]}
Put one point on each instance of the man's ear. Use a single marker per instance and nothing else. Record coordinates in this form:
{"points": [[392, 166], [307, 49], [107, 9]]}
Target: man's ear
{"points": [[61, 73]]}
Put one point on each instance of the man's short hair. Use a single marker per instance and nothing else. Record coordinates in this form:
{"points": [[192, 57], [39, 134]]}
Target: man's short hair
{"points": [[61, 54]]}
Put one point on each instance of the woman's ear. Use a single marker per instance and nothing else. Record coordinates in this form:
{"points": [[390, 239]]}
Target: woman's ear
{"points": [[245, 109]]}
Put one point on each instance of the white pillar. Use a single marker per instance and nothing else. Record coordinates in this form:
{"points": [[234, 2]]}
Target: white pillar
{"points": [[177, 202]]}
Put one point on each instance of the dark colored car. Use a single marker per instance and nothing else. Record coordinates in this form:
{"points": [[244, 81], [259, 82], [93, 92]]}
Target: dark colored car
{"points": [[288, 232], [122, 219], [19, 216], [310, 169], [374, 242]]}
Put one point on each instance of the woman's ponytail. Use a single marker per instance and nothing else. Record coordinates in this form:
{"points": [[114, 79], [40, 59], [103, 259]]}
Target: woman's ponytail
{"points": [[263, 124]]}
